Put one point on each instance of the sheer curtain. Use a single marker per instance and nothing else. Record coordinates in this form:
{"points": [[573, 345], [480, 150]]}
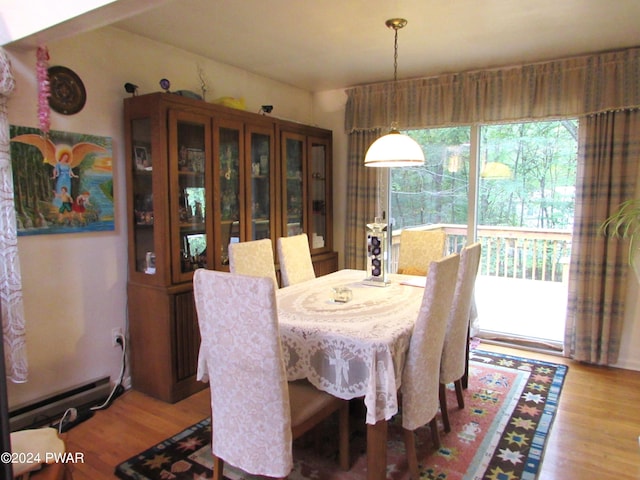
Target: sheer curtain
{"points": [[609, 151], [13, 328], [571, 87]]}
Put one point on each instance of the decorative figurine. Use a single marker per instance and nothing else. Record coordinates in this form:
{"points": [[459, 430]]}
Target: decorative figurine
{"points": [[165, 85]]}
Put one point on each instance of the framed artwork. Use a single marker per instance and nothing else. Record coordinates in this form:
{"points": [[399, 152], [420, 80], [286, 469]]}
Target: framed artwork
{"points": [[63, 182]]}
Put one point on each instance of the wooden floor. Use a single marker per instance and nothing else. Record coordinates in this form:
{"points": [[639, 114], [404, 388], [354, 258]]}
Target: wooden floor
{"points": [[595, 434]]}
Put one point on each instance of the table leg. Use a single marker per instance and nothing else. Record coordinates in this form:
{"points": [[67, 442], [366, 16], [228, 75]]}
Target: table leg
{"points": [[377, 451]]}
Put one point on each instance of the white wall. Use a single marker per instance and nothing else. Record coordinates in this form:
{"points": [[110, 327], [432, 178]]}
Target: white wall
{"points": [[630, 345], [74, 285], [329, 107]]}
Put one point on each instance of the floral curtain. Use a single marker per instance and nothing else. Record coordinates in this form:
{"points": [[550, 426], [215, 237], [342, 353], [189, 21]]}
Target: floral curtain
{"points": [[609, 151], [13, 327], [571, 87]]}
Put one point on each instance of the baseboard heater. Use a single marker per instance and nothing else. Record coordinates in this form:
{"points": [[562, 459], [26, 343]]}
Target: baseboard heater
{"points": [[50, 409]]}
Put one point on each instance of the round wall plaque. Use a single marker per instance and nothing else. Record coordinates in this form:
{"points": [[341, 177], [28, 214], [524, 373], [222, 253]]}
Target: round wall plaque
{"points": [[67, 91]]}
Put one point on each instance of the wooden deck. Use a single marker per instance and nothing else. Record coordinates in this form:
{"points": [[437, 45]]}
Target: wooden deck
{"points": [[521, 309]]}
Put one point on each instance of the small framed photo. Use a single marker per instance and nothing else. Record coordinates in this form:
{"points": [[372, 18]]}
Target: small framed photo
{"points": [[143, 160]]}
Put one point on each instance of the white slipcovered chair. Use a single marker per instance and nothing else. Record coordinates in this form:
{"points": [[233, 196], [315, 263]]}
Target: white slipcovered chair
{"points": [[38, 446], [255, 412], [295, 259], [418, 248], [421, 374], [454, 354], [253, 258]]}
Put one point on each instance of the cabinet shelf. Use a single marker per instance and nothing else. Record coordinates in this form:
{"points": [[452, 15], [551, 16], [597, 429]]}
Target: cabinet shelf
{"points": [[192, 226]]}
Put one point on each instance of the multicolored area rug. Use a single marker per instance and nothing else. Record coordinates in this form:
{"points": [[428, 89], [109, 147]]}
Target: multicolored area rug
{"points": [[499, 435]]}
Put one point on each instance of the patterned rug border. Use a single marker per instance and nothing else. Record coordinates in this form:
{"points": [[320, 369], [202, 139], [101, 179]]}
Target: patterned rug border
{"points": [[491, 442], [536, 452]]}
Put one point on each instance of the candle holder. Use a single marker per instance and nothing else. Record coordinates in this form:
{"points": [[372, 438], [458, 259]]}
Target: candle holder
{"points": [[377, 253]]}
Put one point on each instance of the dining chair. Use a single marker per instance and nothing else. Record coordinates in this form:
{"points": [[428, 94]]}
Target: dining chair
{"points": [[454, 354], [418, 248], [255, 412], [295, 259], [39, 446], [421, 374], [253, 258]]}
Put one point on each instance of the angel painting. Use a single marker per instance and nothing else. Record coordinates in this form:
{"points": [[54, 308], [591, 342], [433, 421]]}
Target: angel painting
{"points": [[55, 175]]}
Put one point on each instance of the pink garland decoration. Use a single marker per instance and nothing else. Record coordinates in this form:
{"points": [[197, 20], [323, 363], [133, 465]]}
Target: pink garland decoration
{"points": [[43, 89]]}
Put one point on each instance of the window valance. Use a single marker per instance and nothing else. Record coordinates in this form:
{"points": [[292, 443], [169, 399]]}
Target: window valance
{"points": [[573, 86]]}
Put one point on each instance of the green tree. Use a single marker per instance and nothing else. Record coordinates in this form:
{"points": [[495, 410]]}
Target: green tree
{"points": [[541, 157]]}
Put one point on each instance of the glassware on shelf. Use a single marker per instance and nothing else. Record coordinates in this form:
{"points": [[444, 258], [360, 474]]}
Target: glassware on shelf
{"points": [[150, 263]]}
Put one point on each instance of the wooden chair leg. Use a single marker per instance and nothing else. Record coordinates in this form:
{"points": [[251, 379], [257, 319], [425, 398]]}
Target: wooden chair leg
{"points": [[465, 376], [412, 456], [344, 436], [458, 385], [435, 435], [443, 407], [218, 466]]}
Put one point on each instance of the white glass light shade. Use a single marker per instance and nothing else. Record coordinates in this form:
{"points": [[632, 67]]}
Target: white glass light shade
{"points": [[394, 150]]}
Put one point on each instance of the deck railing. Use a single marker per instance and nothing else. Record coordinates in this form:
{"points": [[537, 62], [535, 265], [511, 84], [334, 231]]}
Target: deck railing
{"points": [[526, 253]]}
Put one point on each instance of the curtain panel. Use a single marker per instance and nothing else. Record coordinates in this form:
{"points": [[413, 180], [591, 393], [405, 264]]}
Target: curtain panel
{"points": [[363, 196], [572, 87], [13, 326], [609, 150]]}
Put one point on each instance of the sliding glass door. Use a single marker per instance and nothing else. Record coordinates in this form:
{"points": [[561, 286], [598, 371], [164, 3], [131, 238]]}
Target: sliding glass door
{"points": [[511, 187]]}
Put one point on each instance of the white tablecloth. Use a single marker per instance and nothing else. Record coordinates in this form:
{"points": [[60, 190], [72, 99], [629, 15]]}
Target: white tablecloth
{"points": [[354, 349]]}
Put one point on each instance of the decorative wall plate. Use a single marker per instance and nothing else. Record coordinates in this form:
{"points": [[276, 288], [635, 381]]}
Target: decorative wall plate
{"points": [[68, 95]]}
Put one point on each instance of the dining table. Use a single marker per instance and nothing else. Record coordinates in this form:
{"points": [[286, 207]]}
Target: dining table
{"points": [[355, 348]]}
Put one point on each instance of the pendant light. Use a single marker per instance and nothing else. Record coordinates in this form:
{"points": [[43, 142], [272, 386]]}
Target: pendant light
{"points": [[394, 149]]}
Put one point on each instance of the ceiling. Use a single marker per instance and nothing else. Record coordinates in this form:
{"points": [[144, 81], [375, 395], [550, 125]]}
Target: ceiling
{"points": [[326, 44]]}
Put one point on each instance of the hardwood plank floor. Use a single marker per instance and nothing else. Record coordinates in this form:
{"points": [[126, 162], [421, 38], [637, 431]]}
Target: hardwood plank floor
{"points": [[594, 436]]}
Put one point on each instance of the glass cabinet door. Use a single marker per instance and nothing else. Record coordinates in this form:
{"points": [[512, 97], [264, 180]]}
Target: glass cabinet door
{"points": [[228, 148], [319, 194], [144, 250], [293, 185], [189, 147], [260, 143]]}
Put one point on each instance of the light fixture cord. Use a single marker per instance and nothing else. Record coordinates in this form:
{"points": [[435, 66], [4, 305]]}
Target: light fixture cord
{"points": [[394, 92]]}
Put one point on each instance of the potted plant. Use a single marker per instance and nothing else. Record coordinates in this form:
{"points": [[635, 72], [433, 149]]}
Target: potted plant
{"points": [[625, 223]]}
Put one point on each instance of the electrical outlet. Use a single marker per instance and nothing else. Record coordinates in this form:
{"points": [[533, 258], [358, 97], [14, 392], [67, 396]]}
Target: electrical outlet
{"points": [[115, 333]]}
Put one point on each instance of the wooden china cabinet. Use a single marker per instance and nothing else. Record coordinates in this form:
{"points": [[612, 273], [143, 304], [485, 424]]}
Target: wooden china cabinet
{"points": [[201, 176]]}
